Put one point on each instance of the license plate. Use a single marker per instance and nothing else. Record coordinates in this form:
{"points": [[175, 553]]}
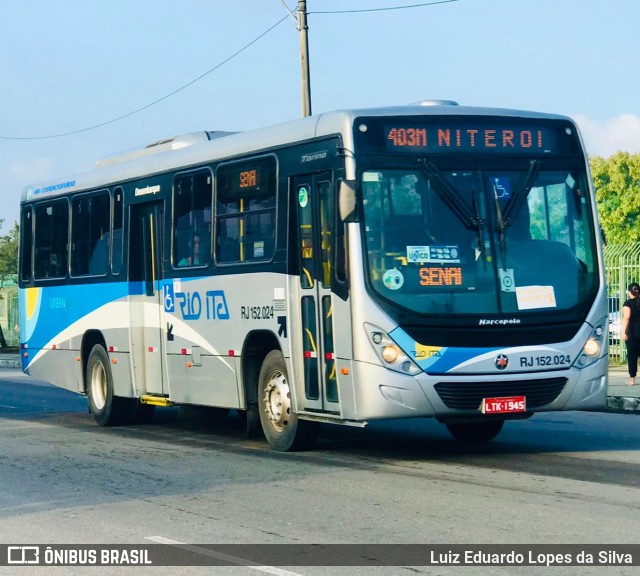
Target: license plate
{"points": [[504, 405]]}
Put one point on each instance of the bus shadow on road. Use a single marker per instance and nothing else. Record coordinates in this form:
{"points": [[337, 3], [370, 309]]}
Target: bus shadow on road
{"points": [[581, 438]]}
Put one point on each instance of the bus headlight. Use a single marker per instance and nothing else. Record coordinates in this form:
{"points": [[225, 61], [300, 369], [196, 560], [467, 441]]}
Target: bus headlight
{"points": [[594, 346], [390, 354]]}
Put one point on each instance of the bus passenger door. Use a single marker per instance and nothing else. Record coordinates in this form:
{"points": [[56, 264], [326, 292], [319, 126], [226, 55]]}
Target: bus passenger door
{"points": [[314, 331], [145, 297]]}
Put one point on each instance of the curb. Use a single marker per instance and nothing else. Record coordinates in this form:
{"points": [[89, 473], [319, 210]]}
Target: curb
{"points": [[623, 404], [9, 363]]}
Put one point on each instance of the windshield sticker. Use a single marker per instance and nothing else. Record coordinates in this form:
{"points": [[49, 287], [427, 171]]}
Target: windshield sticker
{"points": [[303, 197], [441, 254], [507, 281], [501, 186], [533, 297], [393, 279], [570, 181]]}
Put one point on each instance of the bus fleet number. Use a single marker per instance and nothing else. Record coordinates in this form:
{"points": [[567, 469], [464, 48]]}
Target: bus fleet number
{"points": [[256, 312]]}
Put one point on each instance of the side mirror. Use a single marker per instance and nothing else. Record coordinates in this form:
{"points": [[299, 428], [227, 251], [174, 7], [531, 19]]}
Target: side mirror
{"points": [[347, 199]]}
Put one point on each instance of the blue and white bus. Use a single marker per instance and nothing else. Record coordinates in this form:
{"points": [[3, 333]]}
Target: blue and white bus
{"points": [[430, 260]]}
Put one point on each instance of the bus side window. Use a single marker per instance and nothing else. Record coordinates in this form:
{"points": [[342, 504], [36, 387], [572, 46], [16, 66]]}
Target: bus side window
{"points": [[90, 234], [51, 240], [192, 197], [99, 259], [26, 245], [228, 240], [260, 228], [327, 224], [246, 211]]}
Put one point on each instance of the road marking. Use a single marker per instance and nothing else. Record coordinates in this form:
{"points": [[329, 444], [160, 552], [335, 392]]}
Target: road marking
{"points": [[220, 556]]}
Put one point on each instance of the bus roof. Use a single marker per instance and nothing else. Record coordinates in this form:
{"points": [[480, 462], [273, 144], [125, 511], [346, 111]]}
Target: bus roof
{"points": [[198, 148]]}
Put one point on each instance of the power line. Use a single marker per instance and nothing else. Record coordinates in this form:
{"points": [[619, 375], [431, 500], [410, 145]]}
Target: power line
{"points": [[236, 53], [223, 62], [422, 4]]}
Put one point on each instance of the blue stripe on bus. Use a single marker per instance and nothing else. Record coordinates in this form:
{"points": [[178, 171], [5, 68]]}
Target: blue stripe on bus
{"points": [[61, 306], [436, 359]]}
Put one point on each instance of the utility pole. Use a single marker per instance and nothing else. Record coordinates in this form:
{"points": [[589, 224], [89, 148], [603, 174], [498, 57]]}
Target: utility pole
{"points": [[304, 57], [301, 25]]}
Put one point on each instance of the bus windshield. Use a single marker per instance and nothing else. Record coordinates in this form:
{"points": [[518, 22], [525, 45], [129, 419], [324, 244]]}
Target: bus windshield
{"points": [[479, 241]]}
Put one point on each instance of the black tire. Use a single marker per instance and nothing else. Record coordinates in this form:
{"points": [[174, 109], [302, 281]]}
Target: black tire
{"points": [[107, 409], [475, 431], [282, 428]]}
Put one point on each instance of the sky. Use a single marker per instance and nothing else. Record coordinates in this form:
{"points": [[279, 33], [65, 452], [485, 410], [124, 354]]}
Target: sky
{"points": [[120, 74]]}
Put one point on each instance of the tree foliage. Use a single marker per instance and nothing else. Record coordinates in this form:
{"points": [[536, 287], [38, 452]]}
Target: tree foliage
{"points": [[617, 183], [9, 252]]}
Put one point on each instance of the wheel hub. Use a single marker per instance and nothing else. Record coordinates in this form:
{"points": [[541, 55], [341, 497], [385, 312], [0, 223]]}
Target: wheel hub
{"points": [[277, 401], [99, 386]]}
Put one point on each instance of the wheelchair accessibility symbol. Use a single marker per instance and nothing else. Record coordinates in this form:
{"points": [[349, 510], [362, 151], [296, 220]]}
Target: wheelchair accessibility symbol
{"points": [[169, 298], [501, 188]]}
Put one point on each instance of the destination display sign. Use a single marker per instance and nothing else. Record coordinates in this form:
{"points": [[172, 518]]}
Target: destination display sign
{"points": [[470, 136], [247, 179]]}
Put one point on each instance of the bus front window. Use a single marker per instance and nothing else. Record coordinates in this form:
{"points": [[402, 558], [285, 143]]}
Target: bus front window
{"points": [[478, 242]]}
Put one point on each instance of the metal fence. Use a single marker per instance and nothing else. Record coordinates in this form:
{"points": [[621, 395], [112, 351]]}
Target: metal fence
{"points": [[622, 264], [9, 317]]}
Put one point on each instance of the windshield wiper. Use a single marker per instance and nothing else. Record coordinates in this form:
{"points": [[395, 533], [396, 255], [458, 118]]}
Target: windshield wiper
{"points": [[451, 197], [480, 238], [514, 205], [520, 194]]}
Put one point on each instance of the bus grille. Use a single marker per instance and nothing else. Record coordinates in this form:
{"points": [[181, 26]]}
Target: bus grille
{"points": [[469, 395]]}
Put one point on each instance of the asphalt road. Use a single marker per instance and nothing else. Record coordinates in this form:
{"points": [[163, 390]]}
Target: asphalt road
{"points": [[556, 478]]}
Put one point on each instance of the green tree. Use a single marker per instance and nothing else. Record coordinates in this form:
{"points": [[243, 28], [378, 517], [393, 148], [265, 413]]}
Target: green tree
{"points": [[617, 183], [9, 252]]}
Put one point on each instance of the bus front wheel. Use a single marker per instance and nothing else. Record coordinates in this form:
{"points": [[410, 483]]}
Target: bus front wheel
{"points": [[475, 431], [282, 428], [107, 409]]}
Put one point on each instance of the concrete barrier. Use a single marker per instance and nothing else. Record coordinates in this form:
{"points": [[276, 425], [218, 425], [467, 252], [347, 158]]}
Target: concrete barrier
{"points": [[622, 398]]}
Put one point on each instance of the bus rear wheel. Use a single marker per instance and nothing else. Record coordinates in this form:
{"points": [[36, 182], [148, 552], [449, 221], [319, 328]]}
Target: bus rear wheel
{"points": [[282, 428], [107, 409], [475, 431]]}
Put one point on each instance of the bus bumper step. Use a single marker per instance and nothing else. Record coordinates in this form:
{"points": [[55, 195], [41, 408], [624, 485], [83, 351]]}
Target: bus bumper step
{"points": [[156, 401]]}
